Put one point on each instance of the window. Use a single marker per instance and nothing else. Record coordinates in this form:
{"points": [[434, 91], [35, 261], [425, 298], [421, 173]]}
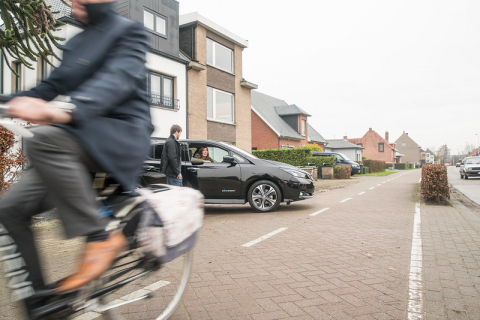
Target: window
{"points": [[17, 66], [304, 124], [45, 69], [160, 90], [155, 22], [403, 144], [219, 56], [220, 105], [380, 147], [360, 144]]}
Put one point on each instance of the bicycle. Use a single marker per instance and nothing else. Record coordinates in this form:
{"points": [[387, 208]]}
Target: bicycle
{"points": [[134, 278]]}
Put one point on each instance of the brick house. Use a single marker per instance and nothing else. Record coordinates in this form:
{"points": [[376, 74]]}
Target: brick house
{"points": [[277, 124], [218, 96], [167, 80], [408, 147], [376, 147]]}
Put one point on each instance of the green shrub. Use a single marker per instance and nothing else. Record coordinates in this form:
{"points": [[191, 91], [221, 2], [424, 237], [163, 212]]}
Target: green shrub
{"points": [[434, 183], [319, 161], [375, 165], [401, 166], [295, 157], [342, 171]]}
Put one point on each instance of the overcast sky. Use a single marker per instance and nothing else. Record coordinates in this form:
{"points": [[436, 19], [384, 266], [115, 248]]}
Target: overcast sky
{"points": [[393, 66]]}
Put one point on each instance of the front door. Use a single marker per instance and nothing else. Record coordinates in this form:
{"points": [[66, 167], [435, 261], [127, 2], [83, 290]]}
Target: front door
{"points": [[214, 178]]}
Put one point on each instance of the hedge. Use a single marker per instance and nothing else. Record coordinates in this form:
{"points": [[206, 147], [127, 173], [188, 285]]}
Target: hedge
{"points": [[366, 170], [298, 157], [295, 157], [434, 183], [401, 166], [375, 165], [319, 161], [342, 171]]}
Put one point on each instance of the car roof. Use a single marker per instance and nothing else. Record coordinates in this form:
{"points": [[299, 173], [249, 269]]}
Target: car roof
{"points": [[158, 141]]}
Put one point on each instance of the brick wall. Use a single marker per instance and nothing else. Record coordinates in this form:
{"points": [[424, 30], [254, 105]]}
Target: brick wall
{"points": [[197, 91], [370, 142], [291, 143], [262, 136], [243, 106], [240, 133]]}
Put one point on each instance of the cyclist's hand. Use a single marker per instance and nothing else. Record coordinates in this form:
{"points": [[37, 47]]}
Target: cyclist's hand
{"points": [[37, 111]]}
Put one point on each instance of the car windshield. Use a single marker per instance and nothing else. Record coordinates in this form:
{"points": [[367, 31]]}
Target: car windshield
{"points": [[473, 161], [238, 150], [344, 156]]}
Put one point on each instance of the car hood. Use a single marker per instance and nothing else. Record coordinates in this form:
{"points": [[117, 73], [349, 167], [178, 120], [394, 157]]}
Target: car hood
{"points": [[280, 164]]}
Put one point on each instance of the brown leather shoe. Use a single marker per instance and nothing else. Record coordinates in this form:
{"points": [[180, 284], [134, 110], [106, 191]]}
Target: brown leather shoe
{"points": [[97, 258]]}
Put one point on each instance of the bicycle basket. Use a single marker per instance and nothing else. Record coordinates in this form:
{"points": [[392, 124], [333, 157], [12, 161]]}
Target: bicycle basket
{"points": [[170, 222]]}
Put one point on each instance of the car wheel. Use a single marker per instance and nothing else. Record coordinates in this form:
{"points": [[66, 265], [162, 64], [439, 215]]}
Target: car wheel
{"points": [[264, 196]]}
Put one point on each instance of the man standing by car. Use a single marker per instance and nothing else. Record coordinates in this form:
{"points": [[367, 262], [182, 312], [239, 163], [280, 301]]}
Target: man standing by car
{"points": [[171, 160]]}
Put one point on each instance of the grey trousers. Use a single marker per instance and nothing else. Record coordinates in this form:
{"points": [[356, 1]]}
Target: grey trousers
{"points": [[59, 177]]}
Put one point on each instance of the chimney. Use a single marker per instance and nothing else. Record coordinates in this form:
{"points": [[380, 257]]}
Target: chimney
{"points": [[406, 133], [386, 135], [344, 137], [369, 129]]}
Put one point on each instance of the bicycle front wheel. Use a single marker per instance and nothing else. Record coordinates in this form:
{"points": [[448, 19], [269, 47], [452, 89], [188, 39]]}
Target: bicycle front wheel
{"points": [[155, 295]]}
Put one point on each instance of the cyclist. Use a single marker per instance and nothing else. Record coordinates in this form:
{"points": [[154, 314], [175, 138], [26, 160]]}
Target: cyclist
{"points": [[103, 71]]}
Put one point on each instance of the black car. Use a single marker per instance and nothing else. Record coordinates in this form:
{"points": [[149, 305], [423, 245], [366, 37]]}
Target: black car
{"points": [[340, 159], [233, 176]]}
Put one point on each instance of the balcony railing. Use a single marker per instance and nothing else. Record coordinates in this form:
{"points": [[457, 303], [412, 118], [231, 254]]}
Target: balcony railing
{"points": [[162, 101]]}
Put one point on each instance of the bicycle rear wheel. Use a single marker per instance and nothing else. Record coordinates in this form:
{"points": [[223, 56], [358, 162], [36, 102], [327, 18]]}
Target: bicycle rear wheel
{"points": [[164, 288]]}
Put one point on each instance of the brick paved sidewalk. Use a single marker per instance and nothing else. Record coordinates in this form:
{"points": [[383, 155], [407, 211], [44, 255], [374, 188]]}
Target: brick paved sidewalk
{"points": [[451, 261]]}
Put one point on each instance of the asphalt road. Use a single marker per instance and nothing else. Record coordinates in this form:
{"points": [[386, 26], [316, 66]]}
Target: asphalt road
{"points": [[470, 187]]}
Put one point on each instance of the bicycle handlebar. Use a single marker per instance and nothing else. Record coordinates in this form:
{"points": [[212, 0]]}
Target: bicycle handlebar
{"points": [[15, 128]]}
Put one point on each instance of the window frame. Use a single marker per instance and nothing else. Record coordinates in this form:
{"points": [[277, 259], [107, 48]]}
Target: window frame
{"points": [[214, 106], [162, 103], [17, 82], [155, 15], [382, 145], [213, 64]]}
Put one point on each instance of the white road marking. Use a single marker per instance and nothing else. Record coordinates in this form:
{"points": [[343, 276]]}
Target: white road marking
{"points": [[420, 180], [361, 193], [371, 188], [378, 185], [415, 296], [345, 200], [318, 212], [384, 182], [251, 243], [136, 294]]}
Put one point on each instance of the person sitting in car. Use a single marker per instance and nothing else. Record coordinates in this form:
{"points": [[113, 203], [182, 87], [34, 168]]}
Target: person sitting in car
{"points": [[203, 154]]}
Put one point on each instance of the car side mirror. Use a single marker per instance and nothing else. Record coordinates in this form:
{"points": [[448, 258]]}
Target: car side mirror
{"points": [[196, 161], [228, 159]]}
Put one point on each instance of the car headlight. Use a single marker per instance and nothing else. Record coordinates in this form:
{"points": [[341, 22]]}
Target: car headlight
{"points": [[356, 165], [469, 169], [297, 173]]}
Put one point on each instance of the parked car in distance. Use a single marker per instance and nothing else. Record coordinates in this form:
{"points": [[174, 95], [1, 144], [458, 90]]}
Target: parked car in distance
{"points": [[458, 163], [470, 167], [234, 176], [340, 159]]}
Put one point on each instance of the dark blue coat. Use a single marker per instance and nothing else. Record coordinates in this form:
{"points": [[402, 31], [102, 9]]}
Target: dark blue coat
{"points": [[103, 71]]}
